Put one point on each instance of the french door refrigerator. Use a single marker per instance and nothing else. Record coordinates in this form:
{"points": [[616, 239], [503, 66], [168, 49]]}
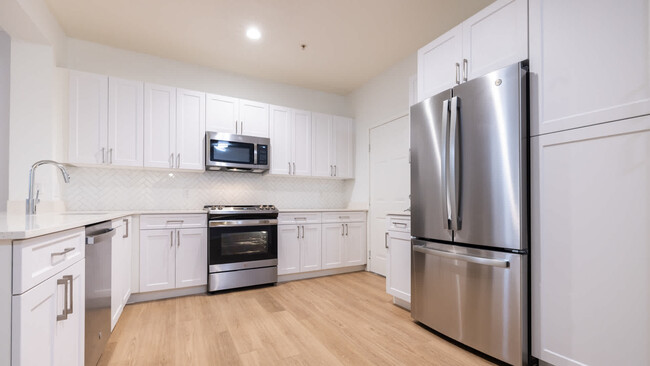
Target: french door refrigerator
{"points": [[469, 214]]}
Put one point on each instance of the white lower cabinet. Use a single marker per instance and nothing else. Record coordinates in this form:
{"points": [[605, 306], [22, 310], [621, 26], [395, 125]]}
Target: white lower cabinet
{"points": [[310, 248], [299, 248], [120, 268], [344, 244], [48, 320], [333, 235], [590, 245], [172, 258], [398, 263]]}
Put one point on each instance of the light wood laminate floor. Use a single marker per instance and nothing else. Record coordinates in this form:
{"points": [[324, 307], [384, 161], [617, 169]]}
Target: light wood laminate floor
{"points": [[338, 320]]}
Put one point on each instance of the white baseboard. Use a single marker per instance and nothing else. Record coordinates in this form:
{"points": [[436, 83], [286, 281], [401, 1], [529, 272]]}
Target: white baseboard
{"points": [[325, 272], [166, 294], [402, 303]]}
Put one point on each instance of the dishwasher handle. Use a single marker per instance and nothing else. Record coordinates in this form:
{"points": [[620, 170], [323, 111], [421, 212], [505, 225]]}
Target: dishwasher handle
{"points": [[99, 236], [463, 257]]}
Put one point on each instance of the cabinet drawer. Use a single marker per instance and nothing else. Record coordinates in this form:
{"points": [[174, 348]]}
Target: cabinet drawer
{"points": [[398, 223], [330, 217], [156, 222], [39, 258], [299, 218]]}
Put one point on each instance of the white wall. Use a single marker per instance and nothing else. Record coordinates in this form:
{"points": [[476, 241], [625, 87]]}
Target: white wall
{"points": [[381, 100], [93, 57], [5, 64]]}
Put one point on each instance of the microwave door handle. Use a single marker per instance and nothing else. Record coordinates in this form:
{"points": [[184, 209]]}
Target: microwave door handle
{"points": [[455, 164], [446, 204]]}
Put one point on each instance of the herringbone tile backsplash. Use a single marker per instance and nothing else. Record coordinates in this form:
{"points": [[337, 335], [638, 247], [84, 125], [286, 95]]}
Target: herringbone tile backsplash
{"points": [[92, 189]]}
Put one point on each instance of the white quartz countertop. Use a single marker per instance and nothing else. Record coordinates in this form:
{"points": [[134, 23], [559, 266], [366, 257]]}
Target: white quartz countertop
{"points": [[322, 210], [408, 213]]}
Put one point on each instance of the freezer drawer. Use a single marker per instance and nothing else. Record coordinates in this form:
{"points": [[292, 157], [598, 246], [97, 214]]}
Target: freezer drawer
{"points": [[476, 297]]}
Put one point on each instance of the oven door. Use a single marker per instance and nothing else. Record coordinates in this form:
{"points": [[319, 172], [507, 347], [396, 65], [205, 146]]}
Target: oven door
{"points": [[235, 242]]}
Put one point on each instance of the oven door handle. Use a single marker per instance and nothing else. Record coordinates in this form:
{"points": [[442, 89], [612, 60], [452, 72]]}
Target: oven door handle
{"points": [[225, 223]]}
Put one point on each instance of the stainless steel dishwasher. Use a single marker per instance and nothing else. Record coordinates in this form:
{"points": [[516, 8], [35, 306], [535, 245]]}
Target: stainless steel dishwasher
{"points": [[98, 290]]}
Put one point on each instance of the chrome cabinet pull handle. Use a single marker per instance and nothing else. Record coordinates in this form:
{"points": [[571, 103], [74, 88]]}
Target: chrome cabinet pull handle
{"points": [[289, 167], [386, 240], [465, 69], [236, 128], [400, 224], [294, 168], [241, 127], [347, 230], [126, 232], [64, 315], [178, 239], [69, 279], [64, 252], [103, 155], [110, 156], [457, 73], [298, 228], [303, 231], [178, 160], [342, 229], [171, 239], [171, 160]]}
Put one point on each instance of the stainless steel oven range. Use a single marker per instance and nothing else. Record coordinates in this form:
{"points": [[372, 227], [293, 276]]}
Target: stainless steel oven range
{"points": [[242, 246]]}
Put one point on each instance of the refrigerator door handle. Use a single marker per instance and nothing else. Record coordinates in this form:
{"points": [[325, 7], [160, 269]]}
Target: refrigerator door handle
{"points": [[463, 257], [454, 178], [446, 203]]}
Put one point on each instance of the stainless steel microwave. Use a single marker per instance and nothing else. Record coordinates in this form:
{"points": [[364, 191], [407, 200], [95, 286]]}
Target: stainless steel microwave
{"points": [[239, 153]]}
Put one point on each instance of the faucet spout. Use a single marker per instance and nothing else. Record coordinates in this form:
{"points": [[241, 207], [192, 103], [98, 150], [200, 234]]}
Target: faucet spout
{"points": [[33, 201]]}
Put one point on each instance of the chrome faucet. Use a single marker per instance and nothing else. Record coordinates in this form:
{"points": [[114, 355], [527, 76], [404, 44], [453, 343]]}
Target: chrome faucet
{"points": [[33, 201]]}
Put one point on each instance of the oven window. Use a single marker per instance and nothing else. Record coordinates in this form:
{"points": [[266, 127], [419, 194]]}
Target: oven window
{"points": [[232, 152], [250, 243]]}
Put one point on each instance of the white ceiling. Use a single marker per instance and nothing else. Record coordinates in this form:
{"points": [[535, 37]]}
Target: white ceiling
{"points": [[348, 41]]}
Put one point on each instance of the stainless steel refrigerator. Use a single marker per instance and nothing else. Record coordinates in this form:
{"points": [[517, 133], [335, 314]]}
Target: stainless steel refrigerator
{"points": [[469, 202]]}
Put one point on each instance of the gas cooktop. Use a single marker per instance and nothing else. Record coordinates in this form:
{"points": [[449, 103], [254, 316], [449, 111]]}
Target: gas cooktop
{"points": [[240, 209]]}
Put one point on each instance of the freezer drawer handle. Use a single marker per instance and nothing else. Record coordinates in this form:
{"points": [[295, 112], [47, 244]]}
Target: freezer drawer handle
{"points": [[462, 257]]}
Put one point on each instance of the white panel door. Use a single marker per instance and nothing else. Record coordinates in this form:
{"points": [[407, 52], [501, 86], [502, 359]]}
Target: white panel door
{"points": [[591, 245], [159, 126], [281, 140], [343, 147], [390, 183], [125, 122], [355, 244], [88, 118], [310, 247], [321, 145], [439, 63], [495, 37], [190, 130], [332, 245], [301, 133], [38, 337], [583, 72], [253, 118], [288, 249], [191, 257], [221, 114], [157, 260], [398, 269]]}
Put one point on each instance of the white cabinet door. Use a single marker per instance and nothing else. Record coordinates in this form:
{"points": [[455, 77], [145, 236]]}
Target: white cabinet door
{"points": [[190, 130], [321, 145], [125, 122], [301, 142], [159, 126], [398, 266], [38, 337], [288, 249], [310, 247], [281, 140], [191, 257], [591, 244], [221, 114], [343, 142], [88, 118], [253, 118], [439, 63], [118, 252], [157, 260], [354, 244], [582, 72], [332, 243], [126, 276], [495, 37]]}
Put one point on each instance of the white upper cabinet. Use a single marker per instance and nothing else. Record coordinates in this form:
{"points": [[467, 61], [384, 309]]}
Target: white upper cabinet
{"points": [[190, 130], [290, 141], [159, 126], [584, 71], [125, 122], [237, 116], [495, 37], [221, 114], [88, 118], [439, 63], [332, 146]]}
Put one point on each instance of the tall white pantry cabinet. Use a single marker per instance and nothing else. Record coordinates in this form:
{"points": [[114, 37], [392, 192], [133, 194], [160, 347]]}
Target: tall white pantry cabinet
{"points": [[590, 170]]}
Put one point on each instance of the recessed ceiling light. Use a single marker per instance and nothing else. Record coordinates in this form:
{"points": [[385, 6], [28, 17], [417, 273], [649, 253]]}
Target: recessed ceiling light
{"points": [[253, 33]]}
